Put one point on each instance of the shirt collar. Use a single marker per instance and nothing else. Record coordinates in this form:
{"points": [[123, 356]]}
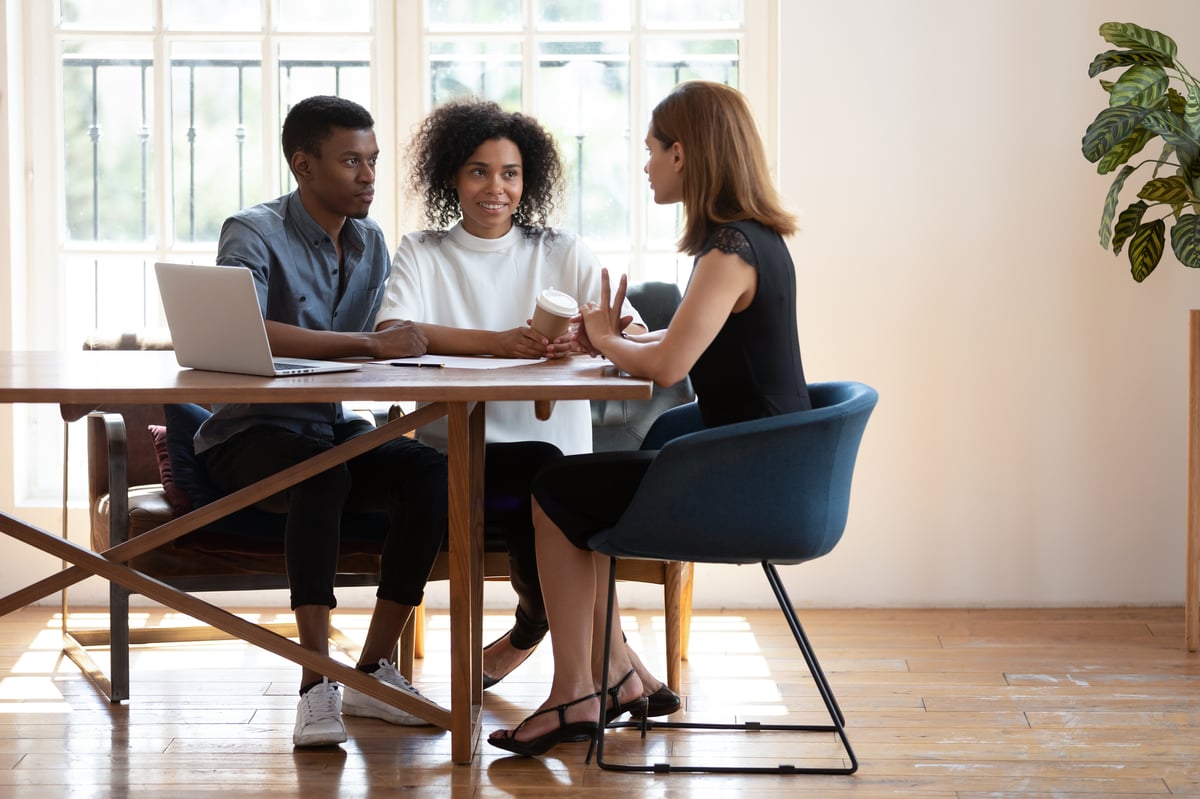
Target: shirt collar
{"points": [[471, 242], [313, 233]]}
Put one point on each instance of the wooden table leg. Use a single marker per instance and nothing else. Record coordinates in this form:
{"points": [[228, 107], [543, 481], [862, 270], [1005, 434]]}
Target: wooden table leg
{"points": [[91, 563], [464, 458], [237, 500], [1191, 613]]}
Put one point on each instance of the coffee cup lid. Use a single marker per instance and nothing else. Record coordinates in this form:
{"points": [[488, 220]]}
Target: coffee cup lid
{"points": [[558, 302]]}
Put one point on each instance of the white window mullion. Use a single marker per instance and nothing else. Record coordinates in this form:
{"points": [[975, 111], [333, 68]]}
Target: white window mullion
{"points": [[529, 60], [164, 175], [639, 117]]}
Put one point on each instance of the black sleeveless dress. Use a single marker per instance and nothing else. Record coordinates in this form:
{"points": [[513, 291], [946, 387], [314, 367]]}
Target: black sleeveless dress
{"points": [[752, 369]]}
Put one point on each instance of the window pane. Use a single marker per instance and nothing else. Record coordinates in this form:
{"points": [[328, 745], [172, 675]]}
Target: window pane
{"points": [[337, 67], [107, 293], [693, 13], [586, 13], [488, 68], [467, 14], [667, 267], [672, 61], [107, 14], [583, 91], [107, 105], [228, 15], [216, 91], [323, 16]]}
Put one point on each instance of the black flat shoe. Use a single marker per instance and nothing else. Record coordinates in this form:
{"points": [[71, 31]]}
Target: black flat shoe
{"points": [[576, 731], [662, 702], [488, 680], [617, 707]]}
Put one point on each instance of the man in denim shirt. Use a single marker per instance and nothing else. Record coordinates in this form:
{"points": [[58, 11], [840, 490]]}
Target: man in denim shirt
{"points": [[319, 264]]}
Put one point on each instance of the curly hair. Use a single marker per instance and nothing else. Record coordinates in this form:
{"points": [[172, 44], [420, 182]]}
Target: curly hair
{"points": [[452, 132]]}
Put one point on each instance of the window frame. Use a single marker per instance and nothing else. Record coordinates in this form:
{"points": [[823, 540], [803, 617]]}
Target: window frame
{"points": [[33, 165]]}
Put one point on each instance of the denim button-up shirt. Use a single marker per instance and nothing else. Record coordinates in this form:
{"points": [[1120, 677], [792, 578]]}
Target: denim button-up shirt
{"points": [[296, 273]]}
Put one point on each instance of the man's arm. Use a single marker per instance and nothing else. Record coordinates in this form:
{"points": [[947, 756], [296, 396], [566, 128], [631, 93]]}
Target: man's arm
{"points": [[397, 340]]}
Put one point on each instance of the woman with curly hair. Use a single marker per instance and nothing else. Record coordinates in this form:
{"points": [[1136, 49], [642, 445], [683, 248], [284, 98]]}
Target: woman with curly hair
{"points": [[489, 180]]}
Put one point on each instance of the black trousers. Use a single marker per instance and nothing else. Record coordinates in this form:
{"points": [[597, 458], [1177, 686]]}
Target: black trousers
{"points": [[403, 477], [509, 469]]}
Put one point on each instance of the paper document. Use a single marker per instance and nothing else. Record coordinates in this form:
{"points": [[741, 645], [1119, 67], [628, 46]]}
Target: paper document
{"points": [[457, 362]]}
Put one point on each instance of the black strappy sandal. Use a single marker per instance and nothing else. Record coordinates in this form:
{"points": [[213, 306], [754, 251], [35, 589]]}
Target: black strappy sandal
{"points": [[617, 708], [576, 731]]}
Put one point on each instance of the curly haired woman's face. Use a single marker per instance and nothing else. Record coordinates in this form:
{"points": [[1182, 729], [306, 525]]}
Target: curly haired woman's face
{"points": [[489, 187]]}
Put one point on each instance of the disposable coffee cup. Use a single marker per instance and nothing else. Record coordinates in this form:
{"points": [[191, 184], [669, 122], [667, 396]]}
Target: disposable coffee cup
{"points": [[552, 313]]}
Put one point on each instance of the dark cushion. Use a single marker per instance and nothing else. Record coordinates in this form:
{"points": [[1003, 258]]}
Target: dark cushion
{"points": [[249, 527], [182, 423], [180, 502]]}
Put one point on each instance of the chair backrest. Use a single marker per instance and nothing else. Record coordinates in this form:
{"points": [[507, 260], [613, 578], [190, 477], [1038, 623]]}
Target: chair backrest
{"points": [[623, 424], [774, 489]]}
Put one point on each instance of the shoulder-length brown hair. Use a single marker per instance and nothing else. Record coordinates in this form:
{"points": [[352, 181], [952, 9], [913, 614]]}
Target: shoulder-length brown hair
{"points": [[725, 175]]}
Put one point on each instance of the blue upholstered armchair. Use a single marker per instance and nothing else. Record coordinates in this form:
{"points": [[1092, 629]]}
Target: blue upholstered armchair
{"points": [[770, 491]]}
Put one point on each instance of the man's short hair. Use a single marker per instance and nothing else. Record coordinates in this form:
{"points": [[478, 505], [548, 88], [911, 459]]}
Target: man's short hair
{"points": [[310, 122]]}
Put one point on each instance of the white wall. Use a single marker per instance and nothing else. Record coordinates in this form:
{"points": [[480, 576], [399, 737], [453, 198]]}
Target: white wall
{"points": [[1029, 444]]}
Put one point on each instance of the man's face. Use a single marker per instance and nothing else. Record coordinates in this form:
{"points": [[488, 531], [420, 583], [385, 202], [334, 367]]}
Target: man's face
{"points": [[341, 182]]}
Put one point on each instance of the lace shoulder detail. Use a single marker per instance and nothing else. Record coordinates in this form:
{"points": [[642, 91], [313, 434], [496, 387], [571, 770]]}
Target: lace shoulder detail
{"points": [[733, 241]]}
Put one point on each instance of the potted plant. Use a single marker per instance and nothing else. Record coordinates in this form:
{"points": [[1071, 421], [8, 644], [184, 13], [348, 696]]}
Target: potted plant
{"points": [[1154, 98]]}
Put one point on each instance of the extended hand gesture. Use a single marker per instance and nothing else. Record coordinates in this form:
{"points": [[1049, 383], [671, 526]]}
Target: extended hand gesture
{"points": [[603, 318]]}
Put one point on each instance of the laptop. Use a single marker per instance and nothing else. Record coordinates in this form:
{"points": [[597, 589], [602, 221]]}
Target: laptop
{"points": [[216, 324]]}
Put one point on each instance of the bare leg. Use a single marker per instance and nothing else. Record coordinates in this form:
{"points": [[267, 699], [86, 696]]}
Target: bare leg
{"points": [[312, 623], [621, 659], [568, 578], [650, 683], [387, 621]]}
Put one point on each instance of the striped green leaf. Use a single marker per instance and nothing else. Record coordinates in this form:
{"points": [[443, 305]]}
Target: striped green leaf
{"points": [[1135, 37], [1144, 86], [1174, 131], [1110, 127], [1146, 249], [1170, 190], [1185, 240], [1125, 58], [1176, 102], [1191, 112], [1127, 225], [1110, 205], [1125, 149]]}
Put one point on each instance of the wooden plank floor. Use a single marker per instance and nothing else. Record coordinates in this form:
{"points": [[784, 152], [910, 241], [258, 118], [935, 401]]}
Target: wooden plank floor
{"points": [[940, 703]]}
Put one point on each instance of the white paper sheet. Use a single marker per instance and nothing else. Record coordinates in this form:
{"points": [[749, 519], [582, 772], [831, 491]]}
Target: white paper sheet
{"points": [[457, 362]]}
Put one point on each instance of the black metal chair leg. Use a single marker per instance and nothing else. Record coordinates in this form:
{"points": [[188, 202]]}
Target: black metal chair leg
{"points": [[819, 679]]}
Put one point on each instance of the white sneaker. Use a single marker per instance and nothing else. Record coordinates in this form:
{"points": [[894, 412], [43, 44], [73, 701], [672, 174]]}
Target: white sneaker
{"points": [[359, 704], [319, 717]]}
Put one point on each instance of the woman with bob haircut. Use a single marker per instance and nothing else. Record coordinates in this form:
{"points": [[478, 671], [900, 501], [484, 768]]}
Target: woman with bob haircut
{"points": [[734, 334]]}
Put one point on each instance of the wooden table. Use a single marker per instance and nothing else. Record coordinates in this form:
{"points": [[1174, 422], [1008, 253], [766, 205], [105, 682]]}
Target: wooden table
{"points": [[90, 379]]}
